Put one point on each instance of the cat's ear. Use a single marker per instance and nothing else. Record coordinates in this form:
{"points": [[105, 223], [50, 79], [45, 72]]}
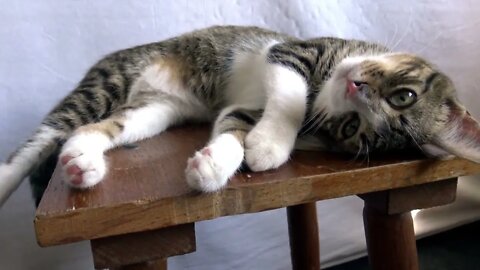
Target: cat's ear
{"points": [[460, 134]]}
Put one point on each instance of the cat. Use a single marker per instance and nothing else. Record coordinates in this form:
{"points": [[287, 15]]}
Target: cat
{"points": [[260, 89]]}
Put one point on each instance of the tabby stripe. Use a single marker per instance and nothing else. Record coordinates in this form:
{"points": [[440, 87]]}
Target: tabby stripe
{"points": [[53, 124], [293, 58], [67, 121], [85, 118], [292, 65], [429, 81], [328, 68], [407, 80], [89, 99], [241, 116], [68, 106], [320, 51], [119, 125], [412, 66], [87, 94], [306, 45], [109, 133], [108, 104], [90, 84], [305, 61], [113, 89], [126, 78], [103, 73], [93, 112], [92, 98], [72, 107], [89, 78]]}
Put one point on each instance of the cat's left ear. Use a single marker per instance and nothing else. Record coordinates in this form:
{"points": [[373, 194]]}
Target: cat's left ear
{"points": [[460, 135]]}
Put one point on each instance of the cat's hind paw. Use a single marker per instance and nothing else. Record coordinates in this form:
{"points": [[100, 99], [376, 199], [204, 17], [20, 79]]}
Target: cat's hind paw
{"points": [[210, 168]]}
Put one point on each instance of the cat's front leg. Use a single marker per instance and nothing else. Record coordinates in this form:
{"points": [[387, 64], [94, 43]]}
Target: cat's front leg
{"points": [[271, 141], [210, 168]]}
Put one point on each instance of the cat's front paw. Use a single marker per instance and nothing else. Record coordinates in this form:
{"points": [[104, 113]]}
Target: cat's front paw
{"points": [[83, 164], [265, 151], [210, 168]]}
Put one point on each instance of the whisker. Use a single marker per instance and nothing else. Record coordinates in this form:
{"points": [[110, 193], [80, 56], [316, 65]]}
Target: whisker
{"points": [[405, 33], [414, 140], [364, 140], [360, 148], [389, 42], [318, 124], [313, 118]]}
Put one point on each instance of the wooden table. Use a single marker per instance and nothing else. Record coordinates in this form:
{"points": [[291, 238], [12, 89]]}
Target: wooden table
{"points": [[144, 212]]}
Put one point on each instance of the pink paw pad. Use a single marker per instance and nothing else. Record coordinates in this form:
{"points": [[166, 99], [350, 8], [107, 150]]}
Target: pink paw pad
{"points": [[65, 159], [74, 170], [194, 163], [206, 151], [77, 180]]}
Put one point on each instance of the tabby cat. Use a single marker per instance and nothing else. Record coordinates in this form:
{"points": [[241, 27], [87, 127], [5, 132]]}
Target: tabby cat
{"points": [[261, 89]]}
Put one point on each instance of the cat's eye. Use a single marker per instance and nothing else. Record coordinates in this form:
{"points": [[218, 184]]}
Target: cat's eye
{"points": [[350, 127], [402, 98], [359, 83]]}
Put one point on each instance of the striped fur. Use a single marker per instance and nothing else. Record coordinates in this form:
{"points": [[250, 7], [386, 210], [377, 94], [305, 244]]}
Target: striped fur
{"points": [[260, 88]]}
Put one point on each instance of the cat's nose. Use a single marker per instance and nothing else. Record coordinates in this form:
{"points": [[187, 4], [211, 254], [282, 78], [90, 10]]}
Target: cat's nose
{"points": [[355, 86]]}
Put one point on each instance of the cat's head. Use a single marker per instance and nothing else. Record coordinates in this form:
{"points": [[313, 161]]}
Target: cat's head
{"points": [[394, 99]]}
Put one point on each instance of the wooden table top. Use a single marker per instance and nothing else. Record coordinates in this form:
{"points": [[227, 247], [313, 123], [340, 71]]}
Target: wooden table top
{"points": [[145, 187]]}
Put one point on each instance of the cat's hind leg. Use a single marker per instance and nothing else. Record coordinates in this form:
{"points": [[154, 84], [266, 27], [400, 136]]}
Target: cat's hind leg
{"points": [[210, 168], [82, 156]]}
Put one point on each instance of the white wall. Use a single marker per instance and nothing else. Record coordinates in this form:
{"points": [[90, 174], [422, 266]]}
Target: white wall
{"points": [[46, 46]]}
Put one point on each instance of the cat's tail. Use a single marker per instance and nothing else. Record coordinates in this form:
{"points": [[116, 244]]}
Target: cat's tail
{"points": [[25, 159], [104, 89]]}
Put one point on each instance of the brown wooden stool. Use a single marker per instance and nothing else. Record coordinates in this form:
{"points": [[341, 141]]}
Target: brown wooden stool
{"points": [[144, 212]]}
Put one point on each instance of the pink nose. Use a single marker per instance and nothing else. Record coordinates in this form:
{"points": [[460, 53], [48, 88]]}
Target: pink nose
{"points": [[353, 87]]}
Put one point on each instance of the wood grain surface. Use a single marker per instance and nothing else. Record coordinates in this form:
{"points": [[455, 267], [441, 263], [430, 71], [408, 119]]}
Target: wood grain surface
{"points": [[145, 188]]}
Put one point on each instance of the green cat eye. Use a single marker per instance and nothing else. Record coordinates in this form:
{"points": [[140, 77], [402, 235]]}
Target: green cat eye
{"points": [[350, 127], [402, 98]]}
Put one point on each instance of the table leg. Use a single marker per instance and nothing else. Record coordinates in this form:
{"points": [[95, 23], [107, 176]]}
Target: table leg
{"points": [[143, 250], [389, 225], [152, 265], [303, 233], [390, 240]]}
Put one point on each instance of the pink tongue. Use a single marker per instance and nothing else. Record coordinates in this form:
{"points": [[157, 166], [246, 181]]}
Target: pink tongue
{"points": [[351, 88]]}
